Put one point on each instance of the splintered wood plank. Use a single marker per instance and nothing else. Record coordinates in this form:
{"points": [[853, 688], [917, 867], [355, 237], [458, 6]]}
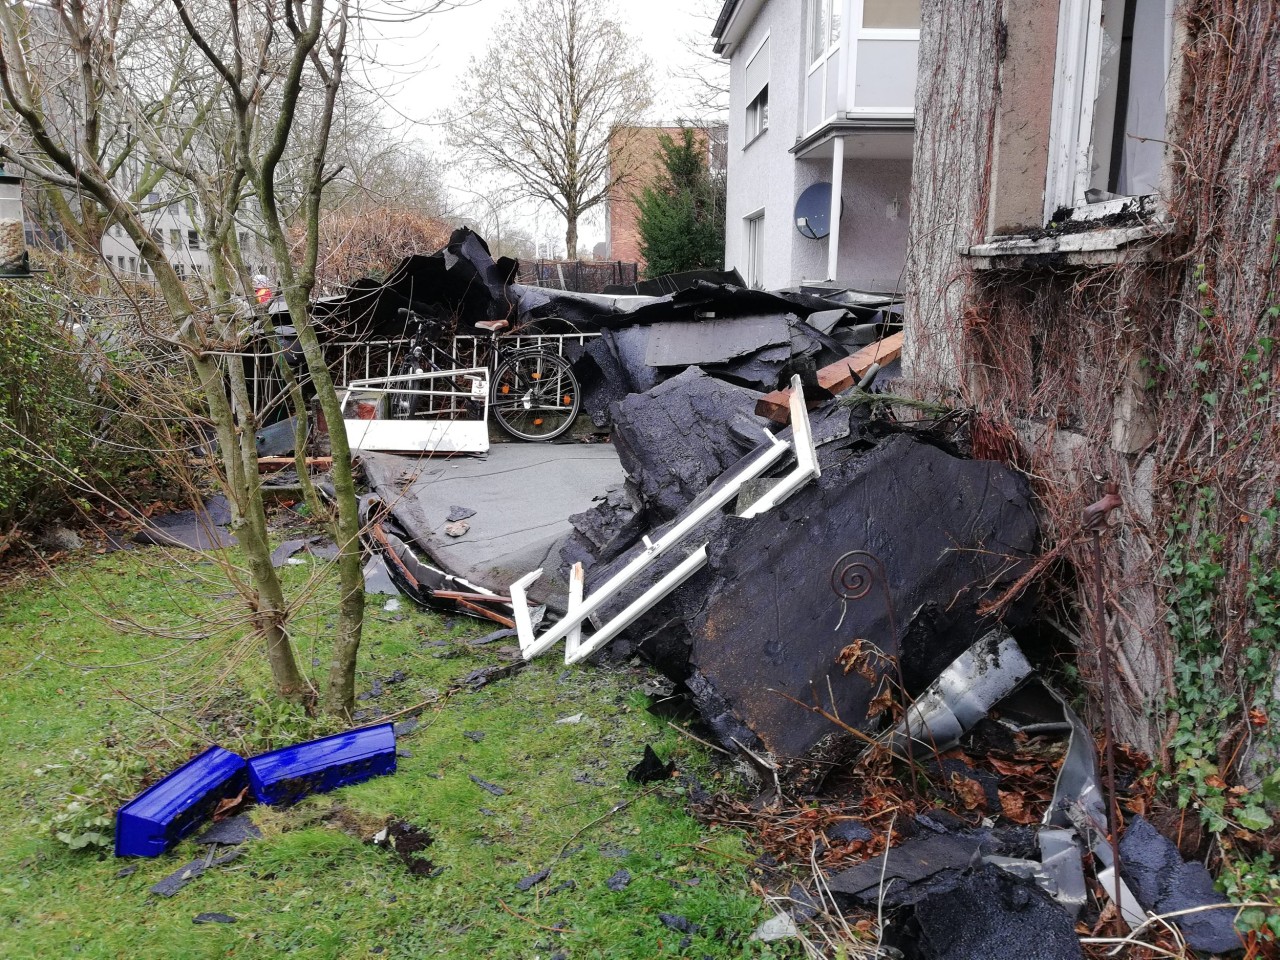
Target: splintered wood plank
{"points": [[836, 377]]}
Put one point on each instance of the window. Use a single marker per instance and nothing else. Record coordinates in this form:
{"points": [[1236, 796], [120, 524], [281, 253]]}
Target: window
{"points": [[133, 264], [142, 267], [824, 27], [244, 241], [1106, 141], [157, 239], [758, 115], [181, 270], [175, 239], [193, 239], [755, 251], [120, 263], [757, 91]]}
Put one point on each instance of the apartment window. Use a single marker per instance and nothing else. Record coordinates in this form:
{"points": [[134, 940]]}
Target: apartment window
{"points": [[157, 239], [193, 239], [120, 263], [142, 267], [181, 270], [755, 250], [824, 27], [133, 264], [1107, 137], [757, 89], [175, 239]]}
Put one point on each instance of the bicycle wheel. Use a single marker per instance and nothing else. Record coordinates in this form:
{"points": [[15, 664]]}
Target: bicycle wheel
{"points": [[405, 405], [534, 395]]}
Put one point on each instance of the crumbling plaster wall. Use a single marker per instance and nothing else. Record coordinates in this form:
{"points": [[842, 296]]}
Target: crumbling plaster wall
{"points": [[1145, 369]]}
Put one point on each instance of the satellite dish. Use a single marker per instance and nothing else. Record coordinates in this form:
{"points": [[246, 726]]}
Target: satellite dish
{"points": [[813, 211]]}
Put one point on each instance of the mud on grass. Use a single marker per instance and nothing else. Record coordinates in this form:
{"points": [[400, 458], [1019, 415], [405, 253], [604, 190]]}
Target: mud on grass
{"points": [[314, 886]]}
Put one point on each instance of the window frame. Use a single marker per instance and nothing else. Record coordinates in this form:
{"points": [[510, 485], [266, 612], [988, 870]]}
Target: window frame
{"points": [[753, 225], [756, 113], [1075, 94]]}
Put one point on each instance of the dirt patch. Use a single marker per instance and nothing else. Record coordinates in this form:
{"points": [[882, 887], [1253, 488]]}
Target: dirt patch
{"points": [[408, 842]]}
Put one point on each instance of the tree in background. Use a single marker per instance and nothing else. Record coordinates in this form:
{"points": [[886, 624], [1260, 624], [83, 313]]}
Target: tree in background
{"points": [[538, 107], [682, 215]]}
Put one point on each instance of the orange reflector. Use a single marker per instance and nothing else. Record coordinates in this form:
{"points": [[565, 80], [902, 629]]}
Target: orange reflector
{"points": [[537, 422], [506, 388], [263, 294], [535, 376], [567, 400]]}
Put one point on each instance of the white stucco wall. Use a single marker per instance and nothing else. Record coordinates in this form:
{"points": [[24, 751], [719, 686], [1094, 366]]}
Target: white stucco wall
{"points": [[764, 174]]}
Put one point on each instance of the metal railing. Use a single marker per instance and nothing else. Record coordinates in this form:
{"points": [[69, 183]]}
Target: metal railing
{"points": [[352, 360]]}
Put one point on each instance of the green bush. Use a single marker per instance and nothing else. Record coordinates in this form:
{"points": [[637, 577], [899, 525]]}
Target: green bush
{"points": [[48, 421]]}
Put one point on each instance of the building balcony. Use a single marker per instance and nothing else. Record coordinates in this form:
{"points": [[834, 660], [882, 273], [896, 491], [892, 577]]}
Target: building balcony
{"points": [[860, 83]]}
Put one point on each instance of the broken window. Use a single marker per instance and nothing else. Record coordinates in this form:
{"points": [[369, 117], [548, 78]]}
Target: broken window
{"points": [[757, 91], [755, 251], [193, 239], [1108, 132]]}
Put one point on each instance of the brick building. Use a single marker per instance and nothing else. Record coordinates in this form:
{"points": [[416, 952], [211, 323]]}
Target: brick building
{"points": [[638, 148]]}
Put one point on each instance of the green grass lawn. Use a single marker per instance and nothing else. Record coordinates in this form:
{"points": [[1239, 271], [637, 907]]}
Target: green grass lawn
{"points": [[121, 667]]}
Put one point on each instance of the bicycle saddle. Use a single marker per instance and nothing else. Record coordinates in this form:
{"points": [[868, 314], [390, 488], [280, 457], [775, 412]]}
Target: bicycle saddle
{"points": [[492, 326]]}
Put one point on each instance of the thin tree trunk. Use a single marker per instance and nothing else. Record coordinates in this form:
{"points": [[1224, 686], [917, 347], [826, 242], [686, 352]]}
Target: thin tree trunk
{"points": [[571, 236]]}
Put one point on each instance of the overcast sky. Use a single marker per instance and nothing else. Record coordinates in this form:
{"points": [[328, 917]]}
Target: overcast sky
{"points": [[421, 62]]}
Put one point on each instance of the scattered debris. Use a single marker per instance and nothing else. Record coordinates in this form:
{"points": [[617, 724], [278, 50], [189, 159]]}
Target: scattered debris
{"points": [[574, 718], [460, 513], [200, 529], [164, 813], [475, 736], [650, 768], [284, 776], [491, 637], [231, 831], [485, 785], [619, 881], [533, 879], [213, 918], [676, 922], [988, 913], [781, 926], [173, 883], [458, 529], [1164, 883]]}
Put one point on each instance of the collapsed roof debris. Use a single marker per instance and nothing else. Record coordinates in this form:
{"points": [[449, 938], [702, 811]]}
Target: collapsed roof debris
{"points": [[811, 574]]}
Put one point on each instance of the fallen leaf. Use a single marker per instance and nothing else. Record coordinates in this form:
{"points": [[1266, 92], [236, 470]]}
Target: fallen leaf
{"points": [[969, 791], [1014, 806], [855, 657], [880, 703]]}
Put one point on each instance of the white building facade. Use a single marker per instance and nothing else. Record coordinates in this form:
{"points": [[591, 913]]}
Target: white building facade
{"points": [[821, 91]]}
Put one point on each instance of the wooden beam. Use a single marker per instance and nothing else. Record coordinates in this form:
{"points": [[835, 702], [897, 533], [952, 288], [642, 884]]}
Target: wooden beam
{"points": [[836, 377], [268, 464]]}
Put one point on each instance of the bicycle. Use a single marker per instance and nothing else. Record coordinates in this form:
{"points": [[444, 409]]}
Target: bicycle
{"points": [[533, 393]]}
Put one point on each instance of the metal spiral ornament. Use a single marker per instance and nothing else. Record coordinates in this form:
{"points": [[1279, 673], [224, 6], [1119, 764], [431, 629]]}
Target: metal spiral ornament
{"points": [[853, 576]]}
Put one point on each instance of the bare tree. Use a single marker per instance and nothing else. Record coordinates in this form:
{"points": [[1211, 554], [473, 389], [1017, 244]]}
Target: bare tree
{"points": [[243, 75], [540, 106], [704, 76]]}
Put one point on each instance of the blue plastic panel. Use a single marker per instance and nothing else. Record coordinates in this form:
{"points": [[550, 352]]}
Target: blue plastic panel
{"points": [[163, 814], [291, 773]]}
